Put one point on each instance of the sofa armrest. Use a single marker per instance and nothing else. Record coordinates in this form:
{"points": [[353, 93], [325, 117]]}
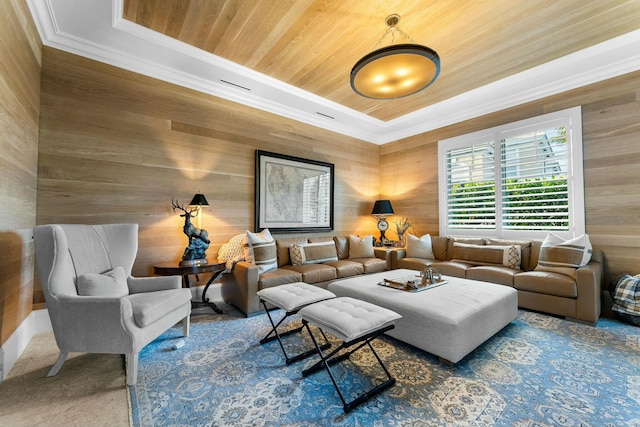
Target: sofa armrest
{"points": [[396, 255], [589, 283], [240, 287], [385, 254]]}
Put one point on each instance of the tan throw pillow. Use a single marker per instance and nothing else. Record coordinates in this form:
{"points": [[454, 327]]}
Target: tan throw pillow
{"points": [[507, 256], [419, 247], [112, 283], [564, 256], [260, 249], [313, 253], [361, 248]]}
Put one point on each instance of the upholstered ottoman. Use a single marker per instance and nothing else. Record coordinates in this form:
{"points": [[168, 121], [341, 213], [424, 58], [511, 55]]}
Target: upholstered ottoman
{"points": [[448, 321], [356, 323], [290, 298]]}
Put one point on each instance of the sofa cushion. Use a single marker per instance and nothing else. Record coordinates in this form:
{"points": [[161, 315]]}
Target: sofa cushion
{"points": [[347, 268], [260, 249], [507, 256], [452, 240], [439, 245], [277, 277], [525, 250], [314, 273], [313, 253], [492, 274], [564, 256], [419, 247], [361, 248], [372, 265], [545, 282], [451, 268], [112, 283], [282, 248]]}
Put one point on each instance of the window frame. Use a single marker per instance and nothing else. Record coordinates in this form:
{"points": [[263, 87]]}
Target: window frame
{"points": [[571, 118]]}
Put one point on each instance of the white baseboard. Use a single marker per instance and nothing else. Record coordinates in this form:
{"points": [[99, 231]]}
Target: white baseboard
{"points": [[36, 323]]}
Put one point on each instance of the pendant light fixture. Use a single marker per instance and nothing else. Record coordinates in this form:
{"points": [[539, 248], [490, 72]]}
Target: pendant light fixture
{"points": [[397, 70]]}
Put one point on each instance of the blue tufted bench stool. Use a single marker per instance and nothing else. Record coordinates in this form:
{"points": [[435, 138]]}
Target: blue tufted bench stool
{"points": [[354, 322]]}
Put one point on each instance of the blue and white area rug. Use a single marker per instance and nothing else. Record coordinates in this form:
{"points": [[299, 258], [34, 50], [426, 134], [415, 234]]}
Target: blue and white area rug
{"points": [[538, 371]]}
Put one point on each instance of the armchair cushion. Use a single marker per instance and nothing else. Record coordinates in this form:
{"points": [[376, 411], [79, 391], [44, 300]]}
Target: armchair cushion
{"points": [[152, 306], [112, 283]]}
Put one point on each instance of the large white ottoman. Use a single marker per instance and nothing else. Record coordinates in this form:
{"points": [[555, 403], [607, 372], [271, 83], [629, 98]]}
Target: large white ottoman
{"points": [[448, 321]]}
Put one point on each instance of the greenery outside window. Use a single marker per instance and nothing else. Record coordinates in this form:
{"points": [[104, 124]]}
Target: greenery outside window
{"points": [[522, 179]]}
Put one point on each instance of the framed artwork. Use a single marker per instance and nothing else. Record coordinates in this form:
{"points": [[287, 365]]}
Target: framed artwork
{"points": [[293, 194]]}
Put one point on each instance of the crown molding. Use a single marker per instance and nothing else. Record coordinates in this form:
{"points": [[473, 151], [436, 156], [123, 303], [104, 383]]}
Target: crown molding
{"points": [[95, 29]]}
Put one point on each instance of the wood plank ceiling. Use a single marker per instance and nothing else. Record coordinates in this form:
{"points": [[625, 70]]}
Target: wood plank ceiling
{"points": [[313, 44]]}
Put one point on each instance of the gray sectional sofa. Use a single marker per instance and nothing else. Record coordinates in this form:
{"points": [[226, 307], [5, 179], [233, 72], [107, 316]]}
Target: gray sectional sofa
{"points": [[240, 285], [576, 298]]}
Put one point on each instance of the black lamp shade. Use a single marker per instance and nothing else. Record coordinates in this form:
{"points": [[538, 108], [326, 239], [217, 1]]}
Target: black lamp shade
{"points": [[199, 200], [382, 207]]}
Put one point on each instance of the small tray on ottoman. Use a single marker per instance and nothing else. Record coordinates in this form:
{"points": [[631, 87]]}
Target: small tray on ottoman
{"points": [[410, 284]]}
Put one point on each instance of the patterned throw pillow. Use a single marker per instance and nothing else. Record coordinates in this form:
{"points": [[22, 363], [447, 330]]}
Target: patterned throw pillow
{"points": [[313, 253], [626, 297], [260, 249], [564, 256], [361, 248], [112, 283], [507, 256], [419, 247], [232, 251]]}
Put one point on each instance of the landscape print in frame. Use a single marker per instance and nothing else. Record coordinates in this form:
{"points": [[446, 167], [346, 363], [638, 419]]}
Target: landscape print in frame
{"points": [[293, 194]]}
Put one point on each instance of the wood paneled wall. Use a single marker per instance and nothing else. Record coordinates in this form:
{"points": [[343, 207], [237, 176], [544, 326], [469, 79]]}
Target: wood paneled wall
{"points": [[611, 147], [20, 51], [116, 146]]}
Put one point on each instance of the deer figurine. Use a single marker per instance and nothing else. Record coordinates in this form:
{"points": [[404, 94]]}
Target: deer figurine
{"points": [[198, 237]]}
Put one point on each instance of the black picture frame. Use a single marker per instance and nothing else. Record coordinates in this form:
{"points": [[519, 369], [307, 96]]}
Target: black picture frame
{"points": [[293, 194]]}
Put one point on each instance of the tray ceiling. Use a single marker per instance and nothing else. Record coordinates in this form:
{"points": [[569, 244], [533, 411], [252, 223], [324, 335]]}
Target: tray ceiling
{"points": [[293, 58]]}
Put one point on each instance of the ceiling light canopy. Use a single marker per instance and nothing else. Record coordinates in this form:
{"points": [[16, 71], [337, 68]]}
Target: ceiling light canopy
{"points": [[395, 71]]}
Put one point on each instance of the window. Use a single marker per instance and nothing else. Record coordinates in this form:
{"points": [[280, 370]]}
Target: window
{"points": [[522, 179]]}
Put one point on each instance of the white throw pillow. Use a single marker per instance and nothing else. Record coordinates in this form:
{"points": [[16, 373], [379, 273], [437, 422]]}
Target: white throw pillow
{"points": [[232, 251], [419, 247], [361, 248], [564, 256], [260, 249], [112, 283]]}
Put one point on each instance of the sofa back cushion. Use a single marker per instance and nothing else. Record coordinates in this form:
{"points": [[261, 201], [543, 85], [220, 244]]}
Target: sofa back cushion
{"points": [[439, 245], [507, 256], [342, 246], [260, 249], [313, 253], [361, 248], [466, 240], [282, 248], [525, 250]]}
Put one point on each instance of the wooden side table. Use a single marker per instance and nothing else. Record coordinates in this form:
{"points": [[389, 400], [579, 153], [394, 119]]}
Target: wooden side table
{"points": [[173, 269]]}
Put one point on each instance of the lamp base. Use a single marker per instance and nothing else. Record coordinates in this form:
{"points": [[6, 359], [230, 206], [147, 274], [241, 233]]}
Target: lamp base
{"points": [[193, 262]]}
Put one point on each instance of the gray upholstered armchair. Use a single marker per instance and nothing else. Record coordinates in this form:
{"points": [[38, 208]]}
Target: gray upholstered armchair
{"points": [[94, 303]]}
